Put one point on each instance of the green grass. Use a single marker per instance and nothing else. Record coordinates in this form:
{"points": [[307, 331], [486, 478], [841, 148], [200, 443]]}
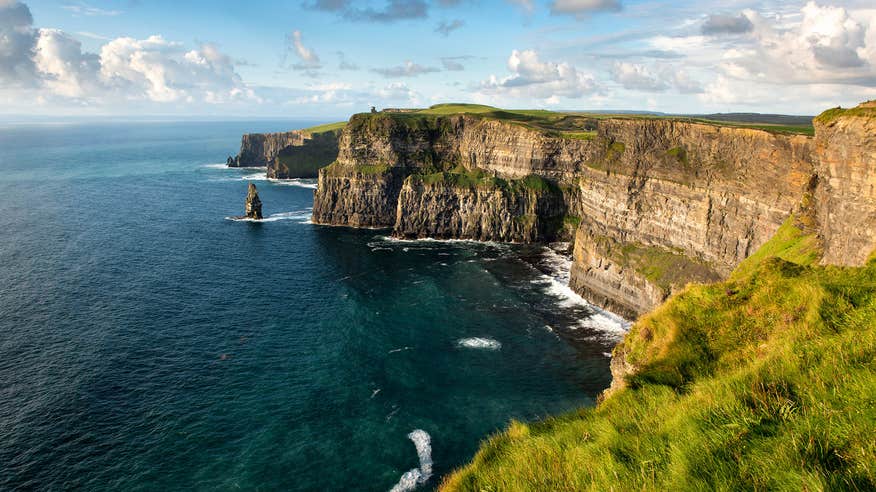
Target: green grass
{"points": [[457, 108], [764, 382], [830, 115], [328, 127]]}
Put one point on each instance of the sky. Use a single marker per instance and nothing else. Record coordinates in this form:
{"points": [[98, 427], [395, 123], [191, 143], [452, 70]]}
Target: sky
{"points": [[330, 58]]}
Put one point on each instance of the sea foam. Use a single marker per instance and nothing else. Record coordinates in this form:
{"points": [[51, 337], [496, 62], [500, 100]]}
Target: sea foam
{"points": [[479, 343], [302, 216], [417, 476]]}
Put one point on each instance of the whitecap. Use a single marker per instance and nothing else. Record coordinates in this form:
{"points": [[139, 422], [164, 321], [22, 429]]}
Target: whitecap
{"points": [[417, 476], [303, 216], [299, 182], [479, 343], [399, 350]]}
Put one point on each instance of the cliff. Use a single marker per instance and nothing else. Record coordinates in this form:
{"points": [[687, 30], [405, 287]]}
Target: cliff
{"points": [[259, 149], [304, 159], [845, 149], [707, 194]]}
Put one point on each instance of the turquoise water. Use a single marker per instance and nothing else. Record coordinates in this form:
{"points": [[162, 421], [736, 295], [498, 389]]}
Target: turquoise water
{"points": [[148, 343]]}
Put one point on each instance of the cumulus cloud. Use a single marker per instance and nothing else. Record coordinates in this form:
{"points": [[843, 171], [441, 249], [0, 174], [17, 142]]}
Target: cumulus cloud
{"points": [[827, 46], [444, 28], [408, 69], [726, 24], [581, 8], [639, 77], [532, 77], [17, 45]]}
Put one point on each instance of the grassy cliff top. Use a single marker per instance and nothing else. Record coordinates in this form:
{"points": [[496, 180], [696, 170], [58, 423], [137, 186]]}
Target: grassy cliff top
{"points": [[863, 110], [328, 127], [569, 124], [764, 382]]}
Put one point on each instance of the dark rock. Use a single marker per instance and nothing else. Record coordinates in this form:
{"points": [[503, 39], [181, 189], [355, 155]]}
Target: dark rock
{"points": [[253, 204]]}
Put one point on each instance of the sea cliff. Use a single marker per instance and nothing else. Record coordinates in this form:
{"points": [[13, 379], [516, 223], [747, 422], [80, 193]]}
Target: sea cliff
{"points": [[287, 155], [697, 196]]}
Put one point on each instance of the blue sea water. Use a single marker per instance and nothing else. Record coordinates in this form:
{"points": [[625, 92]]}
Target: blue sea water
{"points": [[149, 343]]}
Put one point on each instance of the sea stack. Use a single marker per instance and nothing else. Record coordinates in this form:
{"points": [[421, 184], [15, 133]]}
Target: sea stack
{"points": [[253, 204]]}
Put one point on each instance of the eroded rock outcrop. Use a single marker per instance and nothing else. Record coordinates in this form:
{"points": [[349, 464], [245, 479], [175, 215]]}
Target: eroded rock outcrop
{"points": [[253, 203]]}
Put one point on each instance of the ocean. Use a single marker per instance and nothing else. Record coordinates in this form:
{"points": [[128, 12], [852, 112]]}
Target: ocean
{"points": [[147, 342]]}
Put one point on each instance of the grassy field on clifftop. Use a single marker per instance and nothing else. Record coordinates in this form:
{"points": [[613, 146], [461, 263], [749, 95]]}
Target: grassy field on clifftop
{"points": [[764, 382]]}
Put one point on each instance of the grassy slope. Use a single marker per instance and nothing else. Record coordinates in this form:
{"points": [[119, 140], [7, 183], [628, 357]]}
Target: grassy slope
{"points": [[766, 381], [326, 127]]}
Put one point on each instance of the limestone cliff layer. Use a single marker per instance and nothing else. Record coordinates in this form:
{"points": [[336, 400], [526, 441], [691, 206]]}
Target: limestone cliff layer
{"points": [[259, 149], [694, 197]]}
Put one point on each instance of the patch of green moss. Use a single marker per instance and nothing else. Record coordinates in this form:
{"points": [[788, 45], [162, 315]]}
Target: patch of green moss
{"points": [[680, 155]]}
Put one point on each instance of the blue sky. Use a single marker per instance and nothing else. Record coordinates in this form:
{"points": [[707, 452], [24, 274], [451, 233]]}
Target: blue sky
{"points": [[330, 58]]}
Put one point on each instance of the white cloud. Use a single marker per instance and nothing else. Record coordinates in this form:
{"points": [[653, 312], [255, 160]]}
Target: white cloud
{"points": [[409, 69], [534, 78], [639, 77], [17, 40], [309, 60]]}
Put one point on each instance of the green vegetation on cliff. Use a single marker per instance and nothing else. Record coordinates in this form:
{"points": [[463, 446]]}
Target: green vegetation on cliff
{"points": [[865, 110], [328, 127], [304, 161], [766, 381]]}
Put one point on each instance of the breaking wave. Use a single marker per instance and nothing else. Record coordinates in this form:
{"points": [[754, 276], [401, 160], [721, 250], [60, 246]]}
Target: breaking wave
{"points": [[302, 216], [479, 343], [417, 476]]}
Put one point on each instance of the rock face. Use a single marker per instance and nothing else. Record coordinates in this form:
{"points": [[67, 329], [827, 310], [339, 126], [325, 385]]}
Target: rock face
{"points": [[694, 199], [845, 146], [259, 149], [253, 203], [303, 160]]}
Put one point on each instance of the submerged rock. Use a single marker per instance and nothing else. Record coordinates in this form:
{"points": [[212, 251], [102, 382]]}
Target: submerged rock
{"points": [[253, 204]]}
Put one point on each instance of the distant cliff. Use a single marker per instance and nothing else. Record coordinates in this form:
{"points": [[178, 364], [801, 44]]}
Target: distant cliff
{"points": [[258, 149], [294, 154]]}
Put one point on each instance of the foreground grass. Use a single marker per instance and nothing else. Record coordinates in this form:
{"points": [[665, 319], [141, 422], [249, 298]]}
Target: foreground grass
{"points": [[766, 381]]}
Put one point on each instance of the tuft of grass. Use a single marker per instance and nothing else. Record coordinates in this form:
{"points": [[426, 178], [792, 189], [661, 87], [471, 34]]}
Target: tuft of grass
{"points": [[764, 382]]}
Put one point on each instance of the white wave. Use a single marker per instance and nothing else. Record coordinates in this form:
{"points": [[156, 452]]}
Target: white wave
{"points": [[425, 240], [216, 166], [479, 343], [303, 216], [299, 182], [374, 393], [399, 350], [408, 481], [608, 323], [417, 476]]}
